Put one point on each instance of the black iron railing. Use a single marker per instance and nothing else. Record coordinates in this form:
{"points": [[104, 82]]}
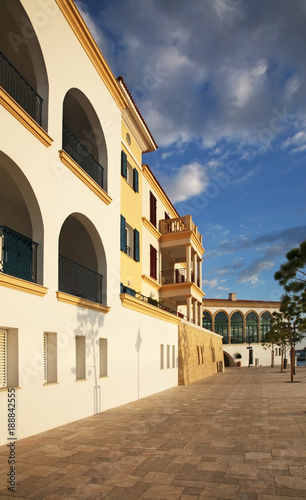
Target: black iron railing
{"points": [[82, 156], [80, 281], [149, 300], [173, 276], [19, 89], [18, 255]]}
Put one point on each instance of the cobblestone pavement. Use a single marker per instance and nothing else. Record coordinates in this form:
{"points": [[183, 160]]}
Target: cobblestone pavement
{"points": [[236, 435]]}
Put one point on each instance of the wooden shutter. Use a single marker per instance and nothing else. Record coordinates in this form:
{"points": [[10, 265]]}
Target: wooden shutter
{"points": [[153, 267], [136, 246], [135, 180], [122, 234], [3, 354], [123, 164], [152, 209]]}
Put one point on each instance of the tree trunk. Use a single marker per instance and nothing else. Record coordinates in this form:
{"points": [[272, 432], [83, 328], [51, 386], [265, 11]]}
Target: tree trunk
{"points": [[272, 357], [292, 359]]}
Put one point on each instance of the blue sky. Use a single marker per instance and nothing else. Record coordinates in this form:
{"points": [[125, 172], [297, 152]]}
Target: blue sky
{"points": [[221, 85]]}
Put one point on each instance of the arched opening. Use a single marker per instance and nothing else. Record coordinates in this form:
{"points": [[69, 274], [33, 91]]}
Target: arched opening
{"points": [[251, 327], [82, 263], [265, 325], [21, 226], [237, 328], [221, 326], [83, 137], [207, 320], [228, 360], [23, 72]]}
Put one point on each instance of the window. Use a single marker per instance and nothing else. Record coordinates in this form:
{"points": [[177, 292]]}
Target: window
{"points": [[265, 325], [173, 356], [207, 322], [168, 356], [129, 240], [251, 329], [80, 349], [236, 328], [153, 262], [200, 355], [50, 358], [103, 357], [152, 209], [3, 361], [161, 356], [8, 358], [129, 173], [221, 326]]}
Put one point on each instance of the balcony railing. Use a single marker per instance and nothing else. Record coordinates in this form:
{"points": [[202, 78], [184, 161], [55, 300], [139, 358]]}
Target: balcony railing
{"points": [[173, 276], [80, 281], [18, 255], [179, 225], [149, 300], [82, 156], [19, 89]]}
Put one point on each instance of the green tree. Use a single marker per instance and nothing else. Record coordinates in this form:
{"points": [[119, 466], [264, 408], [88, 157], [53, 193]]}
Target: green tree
{"points": [[276, 336], [292, 274]]}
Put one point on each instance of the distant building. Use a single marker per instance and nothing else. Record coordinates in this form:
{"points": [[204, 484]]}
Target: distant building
{"points": [[242, 324]]}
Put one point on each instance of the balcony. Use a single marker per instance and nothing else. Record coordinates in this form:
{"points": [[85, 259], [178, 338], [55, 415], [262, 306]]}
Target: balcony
{"points": [[172, 276], [18, 255], [79, 281], [82, 156], [19, 89], [179, 225]]}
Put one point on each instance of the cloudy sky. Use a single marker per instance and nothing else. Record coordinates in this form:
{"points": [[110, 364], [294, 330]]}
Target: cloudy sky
{"points": [[222, 87]]}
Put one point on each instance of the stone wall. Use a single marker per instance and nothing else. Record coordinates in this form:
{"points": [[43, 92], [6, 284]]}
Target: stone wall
{"points": [[200, 353]]}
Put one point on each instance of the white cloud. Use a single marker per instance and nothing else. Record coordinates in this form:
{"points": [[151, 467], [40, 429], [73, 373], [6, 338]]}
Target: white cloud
{"points": [[191, 180]]}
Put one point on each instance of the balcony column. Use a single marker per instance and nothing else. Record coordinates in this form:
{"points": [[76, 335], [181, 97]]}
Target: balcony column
{"points": [[194, 303], [189, 308], [195, 270], [200, 272], [200, 313], [159, 277], [188, 262]]}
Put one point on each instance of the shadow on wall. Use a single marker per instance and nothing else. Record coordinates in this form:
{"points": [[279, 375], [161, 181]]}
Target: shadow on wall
{"points": [[87, 344], [137, 347]]}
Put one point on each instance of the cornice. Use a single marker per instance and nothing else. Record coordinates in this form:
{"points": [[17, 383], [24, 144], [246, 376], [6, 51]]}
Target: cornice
{"points": [[22, 285], [151, 281], [84, 177], [238, 304], [149, 310], [24, 118], [76, 301], [78, 26], [148, 225]]}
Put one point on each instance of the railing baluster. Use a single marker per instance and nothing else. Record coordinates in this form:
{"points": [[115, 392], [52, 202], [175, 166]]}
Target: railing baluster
{"points": [[80, 281], [18, 255], [82, 156], [19, 89]]}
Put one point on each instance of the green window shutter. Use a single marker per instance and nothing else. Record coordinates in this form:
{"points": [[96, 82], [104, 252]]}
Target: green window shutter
{"points": [[122, 234], [3, 354], [123, 164], [136, 246], [135, 180]]}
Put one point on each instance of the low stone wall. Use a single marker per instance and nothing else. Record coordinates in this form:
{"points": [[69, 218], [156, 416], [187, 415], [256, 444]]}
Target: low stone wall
{"points": [[200, 353]]}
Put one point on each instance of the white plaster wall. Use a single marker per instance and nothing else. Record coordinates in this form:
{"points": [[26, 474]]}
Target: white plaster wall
{"points": [[132, 372]]}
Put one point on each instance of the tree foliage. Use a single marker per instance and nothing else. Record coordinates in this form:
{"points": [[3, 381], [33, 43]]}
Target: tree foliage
{"points": [[292, 274]]}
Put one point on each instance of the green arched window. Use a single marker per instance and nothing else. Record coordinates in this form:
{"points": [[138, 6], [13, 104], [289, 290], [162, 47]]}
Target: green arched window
{"points": [[237, 328], [221, 326], [265, 325], [251, 327], [207, 321]]}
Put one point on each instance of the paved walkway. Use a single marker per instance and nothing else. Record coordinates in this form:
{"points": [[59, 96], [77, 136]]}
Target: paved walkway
{"points": [[239, 434]]}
